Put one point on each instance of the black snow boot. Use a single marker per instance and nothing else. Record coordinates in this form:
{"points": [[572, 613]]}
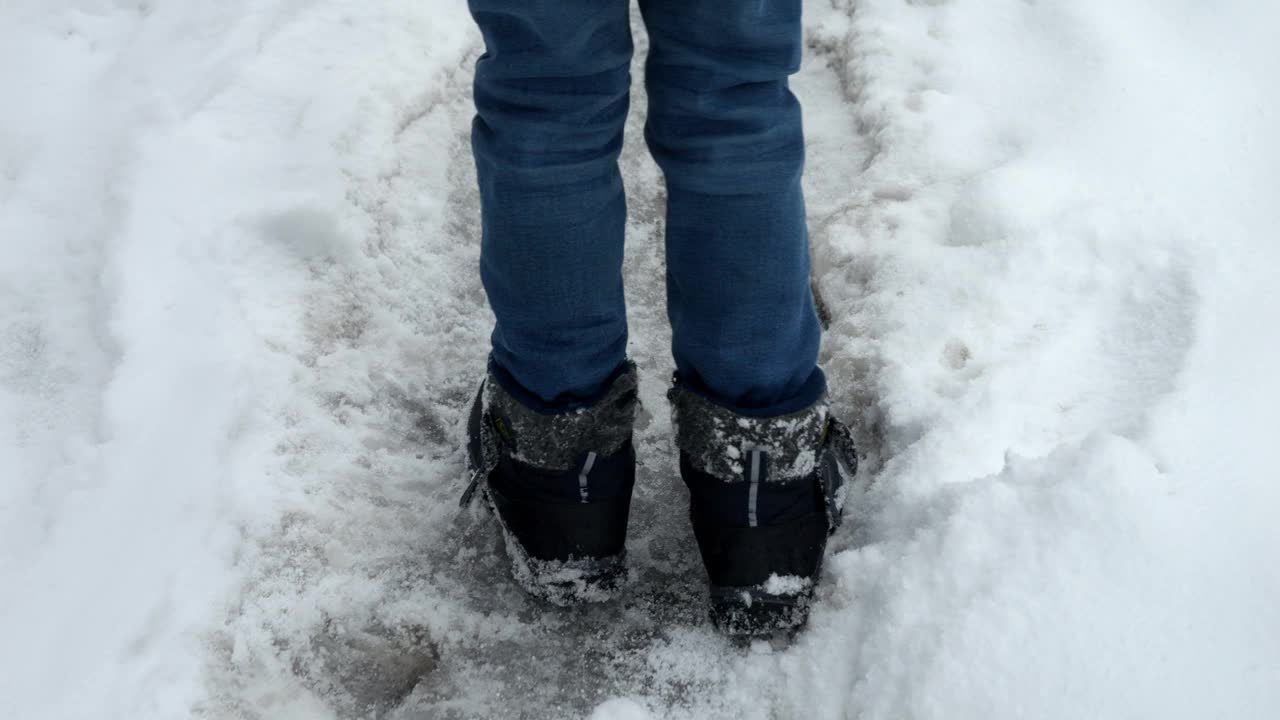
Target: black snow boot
{"points": [[764, 495], [560, 486]]}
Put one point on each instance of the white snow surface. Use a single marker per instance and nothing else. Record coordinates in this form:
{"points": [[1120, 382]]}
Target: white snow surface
{"points": [[240, 321]]}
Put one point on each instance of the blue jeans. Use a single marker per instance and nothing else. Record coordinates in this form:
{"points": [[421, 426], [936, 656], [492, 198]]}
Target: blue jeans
{"points": [[551, 94]]}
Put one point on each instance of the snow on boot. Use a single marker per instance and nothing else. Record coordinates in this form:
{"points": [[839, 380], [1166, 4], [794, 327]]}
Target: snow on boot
{"points": [[764, 495], [560, 486]]}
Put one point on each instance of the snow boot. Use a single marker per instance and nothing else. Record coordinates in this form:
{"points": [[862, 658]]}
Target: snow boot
{"points": [[764, 495], [560, 486]]}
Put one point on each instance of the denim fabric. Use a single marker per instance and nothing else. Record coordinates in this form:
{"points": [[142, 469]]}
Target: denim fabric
{"points": [[551, 95]]}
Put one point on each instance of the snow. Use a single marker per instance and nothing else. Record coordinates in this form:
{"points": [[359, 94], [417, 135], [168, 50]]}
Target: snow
{"points": [[240, 322], [786, 584]]}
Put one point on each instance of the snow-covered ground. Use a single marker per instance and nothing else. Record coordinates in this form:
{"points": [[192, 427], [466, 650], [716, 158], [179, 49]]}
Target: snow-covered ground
{"points": [[240, 319]]}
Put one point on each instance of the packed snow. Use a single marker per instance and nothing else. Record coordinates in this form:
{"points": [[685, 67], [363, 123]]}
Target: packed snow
{"points": [[240, 321]]}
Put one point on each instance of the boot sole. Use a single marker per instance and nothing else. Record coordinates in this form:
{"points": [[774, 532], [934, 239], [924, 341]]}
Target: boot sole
{"points": [[752, 612]]}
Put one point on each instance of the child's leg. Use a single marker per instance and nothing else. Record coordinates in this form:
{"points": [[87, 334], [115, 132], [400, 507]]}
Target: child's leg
{"points": [[759, 451], [551, 95], [727, 132]]}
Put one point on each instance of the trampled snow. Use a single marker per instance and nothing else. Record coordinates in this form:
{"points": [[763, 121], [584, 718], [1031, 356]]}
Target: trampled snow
{"points": [[240, 321]]}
